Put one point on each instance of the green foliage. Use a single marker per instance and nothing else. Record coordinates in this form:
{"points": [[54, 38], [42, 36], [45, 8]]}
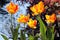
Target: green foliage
{"points": [[5, 38], [15, 32], [50, 33], [35, 38], [42, 28], [31, 37], [22, 35], [46, 33]]}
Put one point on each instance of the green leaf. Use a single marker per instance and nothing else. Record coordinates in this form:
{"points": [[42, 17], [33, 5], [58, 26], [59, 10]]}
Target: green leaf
{"points": [[42, 28], [15, 32], [35, 38], [22, 35], [31, 37], [18, 26], [53, 33], [12, 30], [50, 33], [5, 38]]}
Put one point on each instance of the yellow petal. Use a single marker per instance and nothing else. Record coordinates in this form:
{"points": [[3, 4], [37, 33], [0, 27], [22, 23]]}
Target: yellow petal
{"points": [[47, 17]]}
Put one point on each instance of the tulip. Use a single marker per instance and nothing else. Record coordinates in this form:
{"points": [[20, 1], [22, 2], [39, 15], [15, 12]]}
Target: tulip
{"points": [[23, 18], [50, 18], [12, 8], [32, 23], [38, 8]]}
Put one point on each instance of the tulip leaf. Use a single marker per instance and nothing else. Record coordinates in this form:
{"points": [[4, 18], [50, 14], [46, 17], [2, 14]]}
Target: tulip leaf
{"points": [[35, 38], [5, 38], [31, 37], [50, 33], [18, 26], [53, 33], [12, 30], [42, 28], [22, 35], [15, 32]]}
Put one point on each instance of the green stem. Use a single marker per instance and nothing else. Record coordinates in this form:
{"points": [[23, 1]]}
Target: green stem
{"points": [[22, 35], [33, 33], [11, 21], [12, 30], [12, 24]]}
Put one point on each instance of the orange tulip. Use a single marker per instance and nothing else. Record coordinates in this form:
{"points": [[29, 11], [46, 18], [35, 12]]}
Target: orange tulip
{"points": [[23, 18], [38, 8], [32, 23], [50, 18], [12, 8], [41, 7]]}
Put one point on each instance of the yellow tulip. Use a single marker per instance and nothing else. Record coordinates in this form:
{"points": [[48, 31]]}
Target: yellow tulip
{"points": [[50, 18], [41, 7], [38, 8], [23, 18], [12, 8], [32, 23]]}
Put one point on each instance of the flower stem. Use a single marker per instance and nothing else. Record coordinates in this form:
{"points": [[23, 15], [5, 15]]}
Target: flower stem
{"points": [[12, 30], [33, 33], [11, 21]]}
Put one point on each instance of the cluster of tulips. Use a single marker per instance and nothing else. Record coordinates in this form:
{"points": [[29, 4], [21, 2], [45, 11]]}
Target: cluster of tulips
{"points": [[46, 33]]}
